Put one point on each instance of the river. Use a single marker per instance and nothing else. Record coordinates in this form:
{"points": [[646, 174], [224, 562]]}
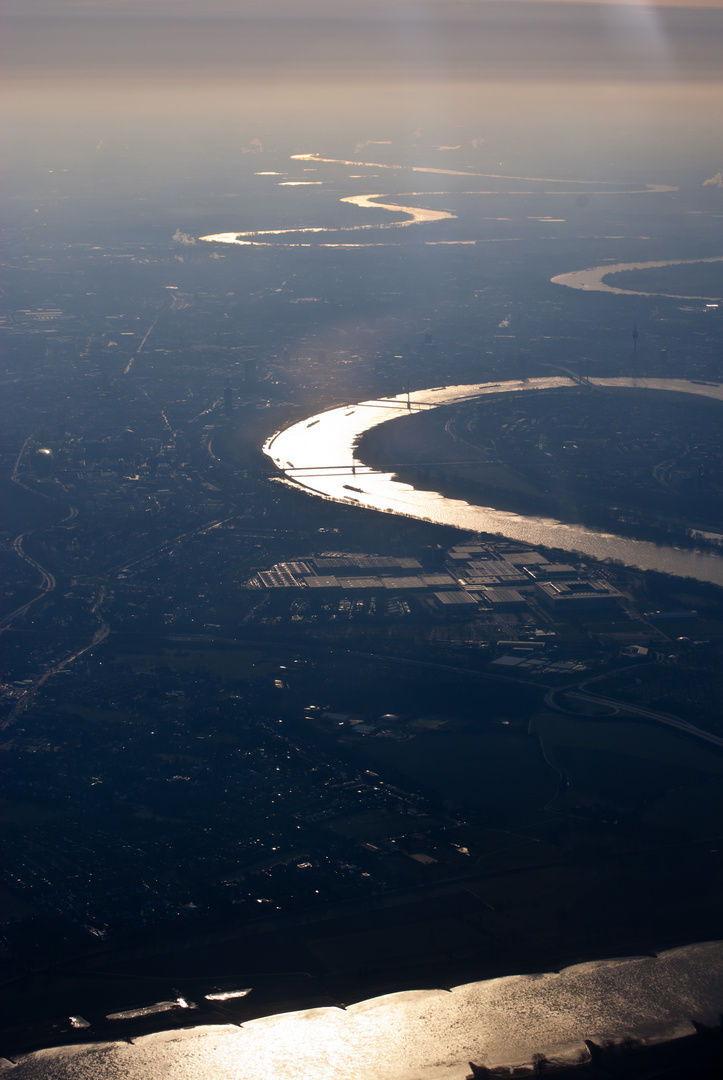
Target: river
{"points": [[318, 454], [425, 1034], [416, 215], [592, 279]]}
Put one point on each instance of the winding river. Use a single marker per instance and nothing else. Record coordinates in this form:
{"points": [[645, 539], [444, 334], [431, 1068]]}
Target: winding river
{"points": [[318, 454], [593, 279], [414, 215]]}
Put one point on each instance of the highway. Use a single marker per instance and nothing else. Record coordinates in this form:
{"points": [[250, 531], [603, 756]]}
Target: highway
{"points": [[47, 583], [579, 692]]}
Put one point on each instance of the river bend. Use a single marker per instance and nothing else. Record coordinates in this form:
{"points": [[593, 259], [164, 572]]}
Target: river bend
{"points": [[318, 454]]}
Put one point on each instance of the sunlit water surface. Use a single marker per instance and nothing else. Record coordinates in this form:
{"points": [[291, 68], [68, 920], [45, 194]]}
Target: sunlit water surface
{"points": [[414, 215], [426, 1034], [319, 454], [591, 280]]}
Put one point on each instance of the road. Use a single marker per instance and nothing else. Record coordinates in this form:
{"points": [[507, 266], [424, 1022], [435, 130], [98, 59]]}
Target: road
{"points": [[53, 669], [47, 583], [579, 692]]}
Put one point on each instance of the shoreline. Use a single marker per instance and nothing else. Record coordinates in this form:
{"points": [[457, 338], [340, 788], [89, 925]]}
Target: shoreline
{"points": [[592, 279], [318, 455], [450, 482], [276, 995]]}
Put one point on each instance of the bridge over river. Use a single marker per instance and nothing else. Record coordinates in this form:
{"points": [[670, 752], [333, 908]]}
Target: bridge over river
{"points": [[319, 455]]}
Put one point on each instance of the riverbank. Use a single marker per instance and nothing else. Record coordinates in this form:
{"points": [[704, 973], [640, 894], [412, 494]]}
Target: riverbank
{"points": [[504, 1020], [491, 455], [318, 454], [145, 1005], [593, 278]]}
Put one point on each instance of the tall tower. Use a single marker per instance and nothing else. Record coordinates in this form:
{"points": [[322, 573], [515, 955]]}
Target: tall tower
{"points": [[635, 344]]}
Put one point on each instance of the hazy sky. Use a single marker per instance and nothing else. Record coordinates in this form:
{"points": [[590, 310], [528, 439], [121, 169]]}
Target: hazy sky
{"points": [[91, 70], [512, 38]]}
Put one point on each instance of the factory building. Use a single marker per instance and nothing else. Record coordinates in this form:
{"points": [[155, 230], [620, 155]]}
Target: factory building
{"points": [[582, 594]]}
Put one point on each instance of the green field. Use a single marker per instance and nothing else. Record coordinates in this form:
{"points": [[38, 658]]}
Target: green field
{"points": [[690, 809], [370, 827], [224, 663], [625, 765], [651, 741], [499, 772], [696, 279]]}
